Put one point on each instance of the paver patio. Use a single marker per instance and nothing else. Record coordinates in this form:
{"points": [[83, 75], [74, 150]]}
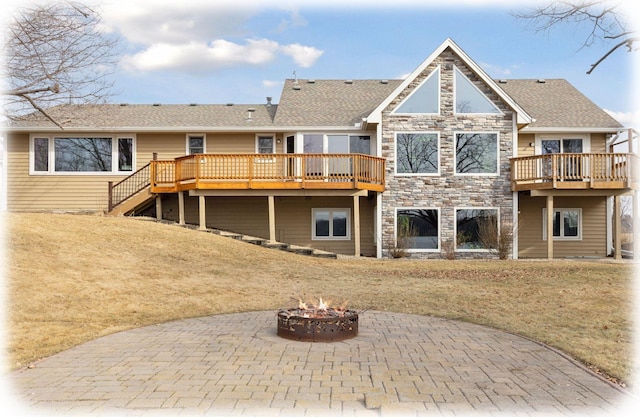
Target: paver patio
{"points": [[235, 364]]}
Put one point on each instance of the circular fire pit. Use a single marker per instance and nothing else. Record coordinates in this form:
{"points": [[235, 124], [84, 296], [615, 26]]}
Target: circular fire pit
{"points": [[310, 325]]}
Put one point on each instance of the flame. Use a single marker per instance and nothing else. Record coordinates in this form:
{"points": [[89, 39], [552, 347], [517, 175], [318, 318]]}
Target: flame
{"points": [[322, 309], [323, 305]]}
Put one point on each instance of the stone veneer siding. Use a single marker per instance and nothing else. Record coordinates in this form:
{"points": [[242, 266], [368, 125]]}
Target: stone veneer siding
{"points": [[447, 191]]}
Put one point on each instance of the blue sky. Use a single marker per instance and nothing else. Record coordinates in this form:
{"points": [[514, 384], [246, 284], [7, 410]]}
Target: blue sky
{"points": [[201, 51]]}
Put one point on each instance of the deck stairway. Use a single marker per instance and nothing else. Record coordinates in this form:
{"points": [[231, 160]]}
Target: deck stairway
{"points": [[287, 247]]}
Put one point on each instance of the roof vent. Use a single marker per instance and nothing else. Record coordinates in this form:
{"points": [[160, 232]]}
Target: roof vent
{"points": [[348, 81], [269, 101], [193, 104], [502, 81], [541, 81], [296, 87], [229, 104], [311, 81], [250, 114], [384, 81], [123, 104], [156, 104]]}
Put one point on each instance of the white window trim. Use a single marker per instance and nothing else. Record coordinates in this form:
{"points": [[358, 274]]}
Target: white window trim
{"points": [[325, 140], [438, 71], [474, 174], [416, 174], [265, 135], [561, 237], [455, 222], [330, 237], [412, 250], [586, 140], [498, 114], [51, 157], [189, 136]]}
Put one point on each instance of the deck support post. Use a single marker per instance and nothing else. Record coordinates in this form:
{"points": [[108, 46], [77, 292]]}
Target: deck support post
{"points": [[617, 227], [272, 218], [356, 225], [202, 211], [180, 208], [158, 207], [550, 217], [636, 225]]}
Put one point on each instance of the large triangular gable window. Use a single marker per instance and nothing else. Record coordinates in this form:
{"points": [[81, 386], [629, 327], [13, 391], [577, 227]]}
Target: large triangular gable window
{"points": [[469, 99], [425, 99]]}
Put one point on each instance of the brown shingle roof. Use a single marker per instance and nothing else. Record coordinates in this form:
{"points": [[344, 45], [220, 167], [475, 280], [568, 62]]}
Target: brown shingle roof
{"points": [[330, 102], [322, 103], [148, 116], [557, 103]]}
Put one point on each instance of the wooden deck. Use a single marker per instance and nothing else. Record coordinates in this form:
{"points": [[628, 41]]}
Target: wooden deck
{"points": [[272, 171], [575, 171]]}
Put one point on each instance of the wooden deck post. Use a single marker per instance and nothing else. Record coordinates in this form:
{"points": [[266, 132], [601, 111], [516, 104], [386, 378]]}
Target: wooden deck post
{"points": [[272, 218], [202, 211], [110, 197], [356, 224], [180, 208], [617, 227], [550, 217], [158, 207], [636, 225]]}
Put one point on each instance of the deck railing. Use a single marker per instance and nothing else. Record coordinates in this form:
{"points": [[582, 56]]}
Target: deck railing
{"points": [[575, 170], [268, 171], [128, 187]]}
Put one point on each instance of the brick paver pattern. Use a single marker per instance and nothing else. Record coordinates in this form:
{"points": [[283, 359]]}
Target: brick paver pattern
{"points": [[235, 364]]}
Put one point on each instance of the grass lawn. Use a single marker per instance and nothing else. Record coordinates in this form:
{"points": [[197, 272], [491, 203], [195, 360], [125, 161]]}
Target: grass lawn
{"points": [[73, 278]]}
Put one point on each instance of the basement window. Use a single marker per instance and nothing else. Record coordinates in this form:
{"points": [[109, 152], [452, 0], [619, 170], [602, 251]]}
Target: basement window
{"points": [[331, 224]]}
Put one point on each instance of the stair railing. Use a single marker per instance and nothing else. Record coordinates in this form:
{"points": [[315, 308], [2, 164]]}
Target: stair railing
{"points": [[130, 186]]}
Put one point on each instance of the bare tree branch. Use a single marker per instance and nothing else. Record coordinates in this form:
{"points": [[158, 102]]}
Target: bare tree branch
{"points": [[56, 54], [604, 17]]}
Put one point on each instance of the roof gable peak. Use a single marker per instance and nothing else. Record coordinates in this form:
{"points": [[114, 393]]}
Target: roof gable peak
{"points": [[522, 116]]}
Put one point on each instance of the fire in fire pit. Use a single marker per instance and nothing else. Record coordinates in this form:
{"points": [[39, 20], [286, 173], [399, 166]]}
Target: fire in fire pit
{"points": [[317, 323]]}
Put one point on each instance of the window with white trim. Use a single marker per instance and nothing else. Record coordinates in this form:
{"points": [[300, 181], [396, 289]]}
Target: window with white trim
{"points": [[425, 99], [417, 153], [81, 154], [331, 224], [417, 228], [567, 224], [265, 144], [468, 97], [196, 144], [476, 229], [477, 153], [336, 143]]}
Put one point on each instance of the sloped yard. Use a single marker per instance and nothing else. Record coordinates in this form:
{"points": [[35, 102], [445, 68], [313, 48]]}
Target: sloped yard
{"points": [[73, 278]]}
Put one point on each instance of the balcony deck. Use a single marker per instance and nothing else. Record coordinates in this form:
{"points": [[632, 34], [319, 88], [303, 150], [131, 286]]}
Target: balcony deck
{"points": [[575, 171], [268, 171]]}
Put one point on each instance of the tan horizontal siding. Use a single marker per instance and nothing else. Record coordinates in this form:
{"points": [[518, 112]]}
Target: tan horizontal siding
{"points": [[524, 141], [249, 215], [594, 228], [50, 192]]}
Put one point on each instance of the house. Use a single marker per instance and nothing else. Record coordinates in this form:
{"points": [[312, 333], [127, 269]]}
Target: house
{"points": [[436, 162]]}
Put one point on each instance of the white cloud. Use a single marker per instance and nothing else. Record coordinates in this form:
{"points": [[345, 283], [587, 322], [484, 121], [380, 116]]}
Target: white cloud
{"points": [[194, 36], [305, 56], [497, 70], [199, 57], [271, 83], [629, 119]]}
